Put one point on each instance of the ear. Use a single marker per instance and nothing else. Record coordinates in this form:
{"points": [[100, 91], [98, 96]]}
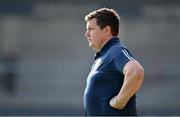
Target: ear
{"points": [[107, 30]]}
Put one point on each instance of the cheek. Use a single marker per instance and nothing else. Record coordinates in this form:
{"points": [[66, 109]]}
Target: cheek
{"points": [[95, 35], [94, 38]]}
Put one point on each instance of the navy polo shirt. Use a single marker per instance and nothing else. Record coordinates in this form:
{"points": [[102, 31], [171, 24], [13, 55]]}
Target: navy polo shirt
{"points": [[105, 81]]}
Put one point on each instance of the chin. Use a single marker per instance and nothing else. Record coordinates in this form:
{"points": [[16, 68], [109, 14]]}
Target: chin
{"points": [[90, 45]]}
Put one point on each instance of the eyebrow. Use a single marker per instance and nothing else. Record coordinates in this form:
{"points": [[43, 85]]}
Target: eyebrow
{"points": [[89, 27]]}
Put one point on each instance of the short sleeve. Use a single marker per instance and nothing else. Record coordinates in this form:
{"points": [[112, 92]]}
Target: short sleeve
{"points": [[121, 59]]}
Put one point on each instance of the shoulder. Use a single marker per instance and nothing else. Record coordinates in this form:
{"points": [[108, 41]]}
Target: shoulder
{"points": [[119, 51], [114, 49]]}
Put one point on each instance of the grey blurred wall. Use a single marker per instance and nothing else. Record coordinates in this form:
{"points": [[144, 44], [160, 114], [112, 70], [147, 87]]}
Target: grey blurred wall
{"points": [[45, 48]]}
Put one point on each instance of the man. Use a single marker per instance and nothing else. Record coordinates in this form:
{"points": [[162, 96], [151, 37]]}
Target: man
{"points": [[115, 76]]}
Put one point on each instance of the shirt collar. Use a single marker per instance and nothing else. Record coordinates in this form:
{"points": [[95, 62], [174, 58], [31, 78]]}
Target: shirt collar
{"points": [[104, 49]]}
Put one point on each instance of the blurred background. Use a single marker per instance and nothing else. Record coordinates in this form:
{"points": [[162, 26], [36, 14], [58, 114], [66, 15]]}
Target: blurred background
{"points": [[45, 58]]}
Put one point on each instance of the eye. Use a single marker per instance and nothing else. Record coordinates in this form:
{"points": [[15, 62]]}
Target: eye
{"points": [[90, 29]]}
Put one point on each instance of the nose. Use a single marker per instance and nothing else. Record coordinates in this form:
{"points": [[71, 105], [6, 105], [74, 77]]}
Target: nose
{"points": [[87, 34]]}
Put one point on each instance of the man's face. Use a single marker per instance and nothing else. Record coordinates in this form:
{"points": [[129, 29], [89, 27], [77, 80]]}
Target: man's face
{"points": [[94, 35]]}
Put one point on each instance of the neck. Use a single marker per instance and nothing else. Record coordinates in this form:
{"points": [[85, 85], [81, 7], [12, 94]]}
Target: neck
{"points": [[104, 42]]}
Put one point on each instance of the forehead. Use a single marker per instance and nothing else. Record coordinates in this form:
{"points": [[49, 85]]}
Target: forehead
{"points": [[91, 23]]}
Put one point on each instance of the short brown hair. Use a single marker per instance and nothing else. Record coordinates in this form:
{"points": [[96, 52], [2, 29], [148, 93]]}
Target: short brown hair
{"points": [[105, 17]]}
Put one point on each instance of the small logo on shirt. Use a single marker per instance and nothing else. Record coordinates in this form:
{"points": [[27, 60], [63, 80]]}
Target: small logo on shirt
{"points": [[96, 64]]}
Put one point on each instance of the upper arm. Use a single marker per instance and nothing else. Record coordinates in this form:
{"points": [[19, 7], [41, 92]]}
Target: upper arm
{"points": [[133, 67]]}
